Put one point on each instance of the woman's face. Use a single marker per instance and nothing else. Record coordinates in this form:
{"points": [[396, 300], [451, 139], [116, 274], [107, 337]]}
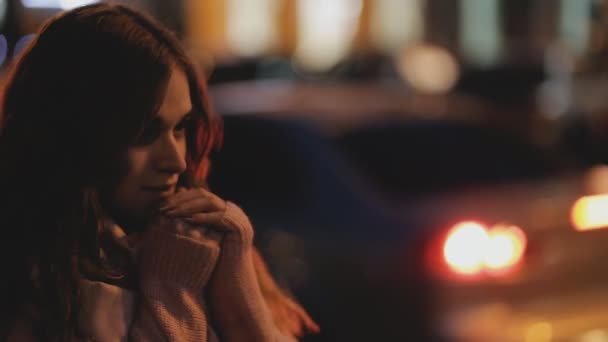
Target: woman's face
{"points": [[156, 161]]}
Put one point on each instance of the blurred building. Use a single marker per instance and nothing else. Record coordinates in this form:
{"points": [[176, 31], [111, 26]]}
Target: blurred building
{"points": [[318, 33]]}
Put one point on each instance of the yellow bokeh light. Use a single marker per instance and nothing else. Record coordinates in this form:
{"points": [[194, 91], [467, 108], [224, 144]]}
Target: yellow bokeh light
{"points": [[428, 68], [590, 212], [597, 335], [505, 247], [539, 332]]}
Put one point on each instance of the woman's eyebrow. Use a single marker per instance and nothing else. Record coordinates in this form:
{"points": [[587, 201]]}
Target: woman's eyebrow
{"points": [[183, 117], [188, 114]]}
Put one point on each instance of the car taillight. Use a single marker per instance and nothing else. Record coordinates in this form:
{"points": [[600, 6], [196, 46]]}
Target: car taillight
{"points": [[506, 245], [590, 212], [463, 248], [470, 248]]}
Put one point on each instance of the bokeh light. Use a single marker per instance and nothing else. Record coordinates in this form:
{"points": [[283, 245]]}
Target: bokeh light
{"points": [[251, 27], [428, 68], [590, 212], [539, 332], [506, 245], [61, 4], [326, 30], [464, 247], [597, 335]]}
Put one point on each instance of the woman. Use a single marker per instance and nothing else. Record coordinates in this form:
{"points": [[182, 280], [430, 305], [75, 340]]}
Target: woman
{"points": [[109, 232]]}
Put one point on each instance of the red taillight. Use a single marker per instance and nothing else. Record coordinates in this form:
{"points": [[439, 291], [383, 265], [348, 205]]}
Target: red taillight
{"points": [[470, 248]]}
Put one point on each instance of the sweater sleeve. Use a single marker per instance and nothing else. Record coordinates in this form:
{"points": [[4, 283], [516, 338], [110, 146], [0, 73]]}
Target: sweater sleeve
{"points": [[238, 307], [173, 270]]}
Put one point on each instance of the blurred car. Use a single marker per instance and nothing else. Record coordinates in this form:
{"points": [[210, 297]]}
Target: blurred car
{"points": [[399, 217], [511, 265]]}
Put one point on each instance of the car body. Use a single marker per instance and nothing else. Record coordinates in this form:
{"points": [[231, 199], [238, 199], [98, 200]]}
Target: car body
{"points": [[353, 190]]}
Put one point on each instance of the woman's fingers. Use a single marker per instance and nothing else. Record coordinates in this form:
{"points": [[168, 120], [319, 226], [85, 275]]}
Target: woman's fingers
{"points": [[213, 222], [208, 219], [186, 228], [177, 198], [194, 209], [187, 203], [180, 228], [195, 234], [182, 197], [192, 206], [199, 207]]}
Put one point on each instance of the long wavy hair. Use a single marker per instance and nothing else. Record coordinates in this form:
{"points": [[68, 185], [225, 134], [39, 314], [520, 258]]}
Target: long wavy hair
{"points": [[73, 102]]}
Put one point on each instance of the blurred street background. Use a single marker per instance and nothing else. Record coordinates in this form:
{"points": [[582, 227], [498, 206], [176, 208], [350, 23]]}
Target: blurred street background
{"points": [[416, 170]]}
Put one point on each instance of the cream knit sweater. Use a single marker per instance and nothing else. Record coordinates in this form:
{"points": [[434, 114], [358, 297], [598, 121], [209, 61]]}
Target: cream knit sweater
{"points": [[186, 285]]}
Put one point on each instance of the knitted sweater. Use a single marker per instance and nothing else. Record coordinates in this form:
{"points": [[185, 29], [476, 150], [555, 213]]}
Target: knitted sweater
{"points": [[185, 285]]}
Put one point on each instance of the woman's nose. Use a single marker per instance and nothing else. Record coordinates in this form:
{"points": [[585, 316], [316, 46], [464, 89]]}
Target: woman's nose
{"points": [[172, 156]]}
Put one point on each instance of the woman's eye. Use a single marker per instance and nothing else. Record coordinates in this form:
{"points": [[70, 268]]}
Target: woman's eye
{"points": [[148, 135], [181, 126]]}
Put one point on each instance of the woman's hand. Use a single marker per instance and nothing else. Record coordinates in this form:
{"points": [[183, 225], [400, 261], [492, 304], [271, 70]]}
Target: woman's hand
{"points": [[236, 300], [197, 206], [207, 212], [180, 244]]}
